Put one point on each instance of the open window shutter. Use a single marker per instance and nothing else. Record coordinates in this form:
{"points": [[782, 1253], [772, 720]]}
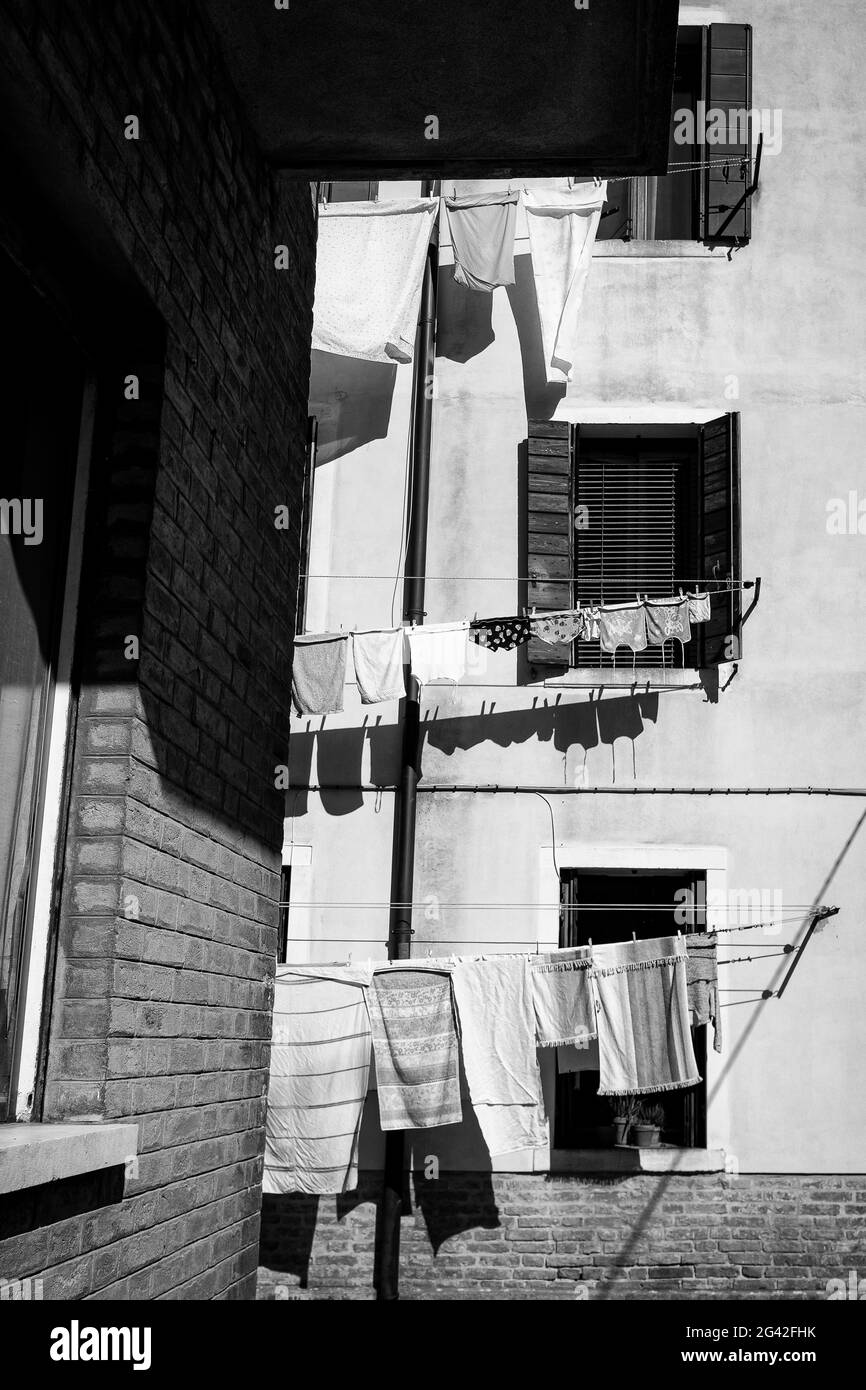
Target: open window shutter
{"points": [[720, 534], [728, 88], [306, 522], [550, 526]]}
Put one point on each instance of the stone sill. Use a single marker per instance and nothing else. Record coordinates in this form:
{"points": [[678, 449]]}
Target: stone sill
{"points": [[666, 1158], [659, 250], [644, 676], [32, 1154]]}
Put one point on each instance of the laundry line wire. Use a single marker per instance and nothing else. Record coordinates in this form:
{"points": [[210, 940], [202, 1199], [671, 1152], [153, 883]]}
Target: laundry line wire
{"points": [[721, 584]]}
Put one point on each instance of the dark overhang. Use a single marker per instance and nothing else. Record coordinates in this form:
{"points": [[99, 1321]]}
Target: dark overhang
{"points": [[341, 88]]}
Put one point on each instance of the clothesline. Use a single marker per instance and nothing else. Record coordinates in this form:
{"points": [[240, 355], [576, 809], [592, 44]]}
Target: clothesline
{"points": [[521, 579], [789, 915]]}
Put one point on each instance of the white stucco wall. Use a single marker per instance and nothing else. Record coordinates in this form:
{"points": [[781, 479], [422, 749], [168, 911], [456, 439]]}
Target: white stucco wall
{"points": [[784, 316]]}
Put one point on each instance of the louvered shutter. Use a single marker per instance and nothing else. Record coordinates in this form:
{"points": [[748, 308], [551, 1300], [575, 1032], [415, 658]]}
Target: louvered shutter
{"points": [[728, 88], [550, 530], [720, 534]]}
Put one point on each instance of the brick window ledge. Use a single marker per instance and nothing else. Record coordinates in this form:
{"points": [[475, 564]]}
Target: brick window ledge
{"points": [[666, 1158], [33, 1154]]}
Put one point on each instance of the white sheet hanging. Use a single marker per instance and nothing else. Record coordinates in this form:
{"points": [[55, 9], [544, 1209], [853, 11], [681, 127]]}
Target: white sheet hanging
{"points": [[369, 272], [562, 229]]}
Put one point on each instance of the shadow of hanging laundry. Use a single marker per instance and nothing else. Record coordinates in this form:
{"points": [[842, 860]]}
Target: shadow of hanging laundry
{"points": [[464, 319], [351, 399], [542, 397], [339, 755]]}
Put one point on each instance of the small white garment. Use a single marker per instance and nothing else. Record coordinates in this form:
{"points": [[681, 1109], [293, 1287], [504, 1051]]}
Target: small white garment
{"points": [[562, 228], [378, 658], [439, 651], [699, 608], [369, 272], [497, 1027]]}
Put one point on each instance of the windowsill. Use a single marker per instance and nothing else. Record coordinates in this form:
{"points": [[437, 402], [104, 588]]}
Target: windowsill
{"points": [[643, 676], [665, 1158], [660, 250], [33, 1154]]}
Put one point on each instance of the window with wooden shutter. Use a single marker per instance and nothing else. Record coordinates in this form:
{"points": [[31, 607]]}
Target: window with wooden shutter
{"points": [[719, 447], [728, 90], [634, 512], [550, 531]]}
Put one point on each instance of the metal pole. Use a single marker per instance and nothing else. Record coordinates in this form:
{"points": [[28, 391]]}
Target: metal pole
{"points": [[400, 934]]}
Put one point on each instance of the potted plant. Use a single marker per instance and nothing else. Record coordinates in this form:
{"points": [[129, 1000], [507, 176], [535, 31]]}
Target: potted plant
{"points": [[648, 1126], [625, 1112]]}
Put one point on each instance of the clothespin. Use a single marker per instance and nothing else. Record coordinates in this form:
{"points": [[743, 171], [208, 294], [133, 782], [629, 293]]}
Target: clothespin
{"points": [[634, 936], [349, 959]]}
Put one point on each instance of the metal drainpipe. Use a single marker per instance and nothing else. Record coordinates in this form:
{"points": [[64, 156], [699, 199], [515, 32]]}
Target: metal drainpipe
{"points": [[400, 933]]}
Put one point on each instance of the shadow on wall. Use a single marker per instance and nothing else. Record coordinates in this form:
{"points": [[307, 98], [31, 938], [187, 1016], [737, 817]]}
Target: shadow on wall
{"points": [[351, 399], [465, 329]]}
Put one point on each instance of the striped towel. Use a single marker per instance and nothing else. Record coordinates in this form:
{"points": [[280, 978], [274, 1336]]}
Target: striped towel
{"points": [[417, 1055], [320, 1061], [644, 1038], [560, 992], [702, 980]]}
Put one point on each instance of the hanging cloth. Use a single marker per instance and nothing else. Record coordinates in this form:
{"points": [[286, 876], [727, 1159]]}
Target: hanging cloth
{"points": [[699, 608], [378, 658], [702, 981], [320, 1062], [560, 991], [497, 1028], [564, 626], [644, 1038], [417, 1055], [622, 625], [500, 634], [483, 227], [319, 672], [369, 273], [562, 229], [667, 619], [438, 651]]}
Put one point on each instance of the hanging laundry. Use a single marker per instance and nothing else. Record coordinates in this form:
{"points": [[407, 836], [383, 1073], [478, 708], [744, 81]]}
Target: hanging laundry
{"points": [[562, 229], [438, 651], [500, 634], [590, 617], [702, 982], [622, 625], [644, 1038], [369, 272], [497, 1027], [483, 226], [320, 1062], [564, 626], [699, 608], [667, 618], [378, 658], [417, 1054], [561, 995], [319, 672]]}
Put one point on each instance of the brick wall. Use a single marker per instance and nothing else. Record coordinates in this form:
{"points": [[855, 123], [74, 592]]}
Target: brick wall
{"points": [[162, 979], [534, 1237]]}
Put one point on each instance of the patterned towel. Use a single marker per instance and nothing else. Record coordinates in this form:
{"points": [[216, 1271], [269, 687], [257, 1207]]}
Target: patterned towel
{"points": [[320, 1062], [644, 1038], [417, 1055], [702, 981], [500, 634], [565, 626], [560, 992]]}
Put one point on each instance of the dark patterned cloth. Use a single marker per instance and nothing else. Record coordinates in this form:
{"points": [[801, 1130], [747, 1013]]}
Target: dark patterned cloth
{"points": [[500, 634]]}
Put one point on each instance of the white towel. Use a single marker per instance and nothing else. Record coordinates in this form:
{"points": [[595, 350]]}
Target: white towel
{"points": [[378, 658], [497, 1028], [369, 271], [562, 228], [320, 1062], [439, 651]]}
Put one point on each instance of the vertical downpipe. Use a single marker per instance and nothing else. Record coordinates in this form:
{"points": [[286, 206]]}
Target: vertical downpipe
{"points": [[403, 877]]}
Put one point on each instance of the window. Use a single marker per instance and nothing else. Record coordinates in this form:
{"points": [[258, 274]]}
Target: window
{"points": [[350, 191], [605, 906], [710, 125], [614, 512]]}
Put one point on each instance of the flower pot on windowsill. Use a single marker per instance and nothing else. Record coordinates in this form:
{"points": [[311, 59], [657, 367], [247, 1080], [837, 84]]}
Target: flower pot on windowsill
{"points": [[646, 1136], [620, 1132]]}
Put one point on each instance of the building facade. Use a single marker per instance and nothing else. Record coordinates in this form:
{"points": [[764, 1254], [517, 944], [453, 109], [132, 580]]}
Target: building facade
{"points": [[725, 377]]}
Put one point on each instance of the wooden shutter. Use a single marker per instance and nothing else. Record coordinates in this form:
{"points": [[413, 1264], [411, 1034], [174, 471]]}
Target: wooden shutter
{"points": [[550, 530], [306, 523], [720, 534], [728, 88]]}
